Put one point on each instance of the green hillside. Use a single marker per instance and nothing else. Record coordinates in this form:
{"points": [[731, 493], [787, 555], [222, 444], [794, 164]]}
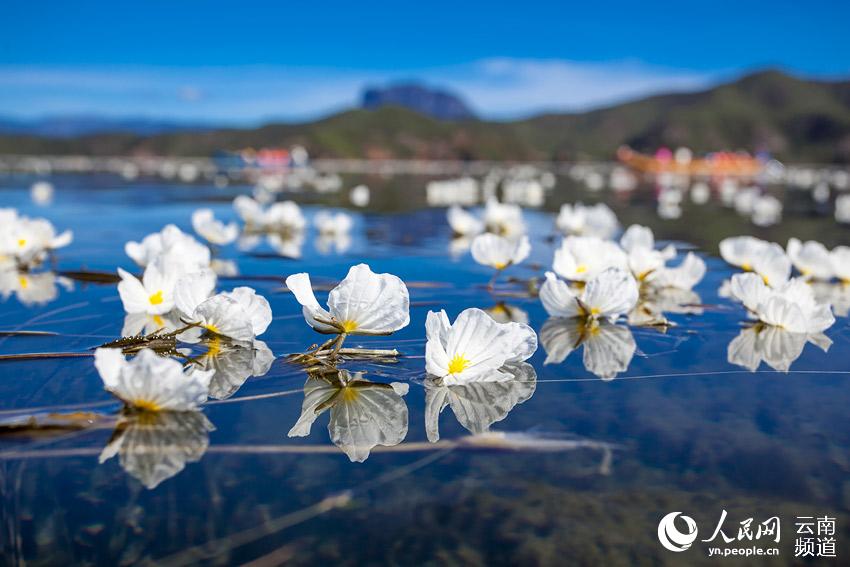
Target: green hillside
{"points": [[795, 119]]}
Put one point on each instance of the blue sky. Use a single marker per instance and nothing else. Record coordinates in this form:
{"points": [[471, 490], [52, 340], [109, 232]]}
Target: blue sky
{"points": [[248, 62]]}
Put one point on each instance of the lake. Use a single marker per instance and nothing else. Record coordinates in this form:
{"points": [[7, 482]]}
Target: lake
{"points": [[579, 469]]}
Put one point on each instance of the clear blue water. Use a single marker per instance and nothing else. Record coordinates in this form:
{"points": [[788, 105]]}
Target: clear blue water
{"points": [[686, 429]]}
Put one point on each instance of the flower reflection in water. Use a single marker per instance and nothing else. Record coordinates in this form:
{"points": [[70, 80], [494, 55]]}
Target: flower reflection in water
{"points": [[478, 405], [232, 363], [363, 414], [32, 288], [775, 346], [155, 446], [608, 348]]}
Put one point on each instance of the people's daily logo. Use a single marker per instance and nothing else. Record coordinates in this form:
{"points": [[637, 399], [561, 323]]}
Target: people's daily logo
{"points": [[671, 537]]}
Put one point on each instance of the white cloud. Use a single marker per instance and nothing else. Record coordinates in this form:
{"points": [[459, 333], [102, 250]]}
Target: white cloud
{"points": [[496, 88]]}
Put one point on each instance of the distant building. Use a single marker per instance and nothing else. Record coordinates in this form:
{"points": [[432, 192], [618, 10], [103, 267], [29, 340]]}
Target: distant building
{"points": [[431, 102]]}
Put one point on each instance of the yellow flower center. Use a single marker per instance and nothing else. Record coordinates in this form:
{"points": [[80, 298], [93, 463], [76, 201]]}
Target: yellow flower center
{"points": [[581, 268], [348, 325], [22, 242], [214, 347], [146, 405], [458, 364], [746, 267], [500, 265], [595, 311], [159, 321], [766, 280], [212, 329], [24, 282], [156, 298], [349, 394]]}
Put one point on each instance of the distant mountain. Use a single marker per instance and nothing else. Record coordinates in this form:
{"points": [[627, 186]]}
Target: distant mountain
{"points": [[430, 102], [79, 125], [794, 119]]}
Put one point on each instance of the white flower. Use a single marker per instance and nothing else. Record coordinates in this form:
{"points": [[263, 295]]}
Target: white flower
{"points": [[608, 295], [840, 257], [596, 220], [581, 258], [475, 347], [213, 230], [240, 314], [154, 294], [281, 217], [145, 323], [639, 243], [792, 306], [463, 222], [41, 192], [503, 219], [232, 363], [174, 250], [767, 210], [767, 259], [499, 252], [328, 223], [360, 196], [742, 251], [150, 382], [364, 303], [684, 276], [25, 242], [811, 259]]}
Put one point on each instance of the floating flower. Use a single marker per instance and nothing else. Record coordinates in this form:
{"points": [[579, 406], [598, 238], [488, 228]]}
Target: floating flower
{"points": [[154, 294], [581, 258], [478, 405], [212, 230], [285, 216], [151, 383], [363, 414], [360, 196], [240, 314], [474, 347], [639, 244], [364, 303], [580, 220], [25, 242], [499, 252], [503, 219], [811, 259], [463, 222], [792, 306], [41, 192], [766, 259], [840, 257], [174, 250], [684, 276], [608, 295]]}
